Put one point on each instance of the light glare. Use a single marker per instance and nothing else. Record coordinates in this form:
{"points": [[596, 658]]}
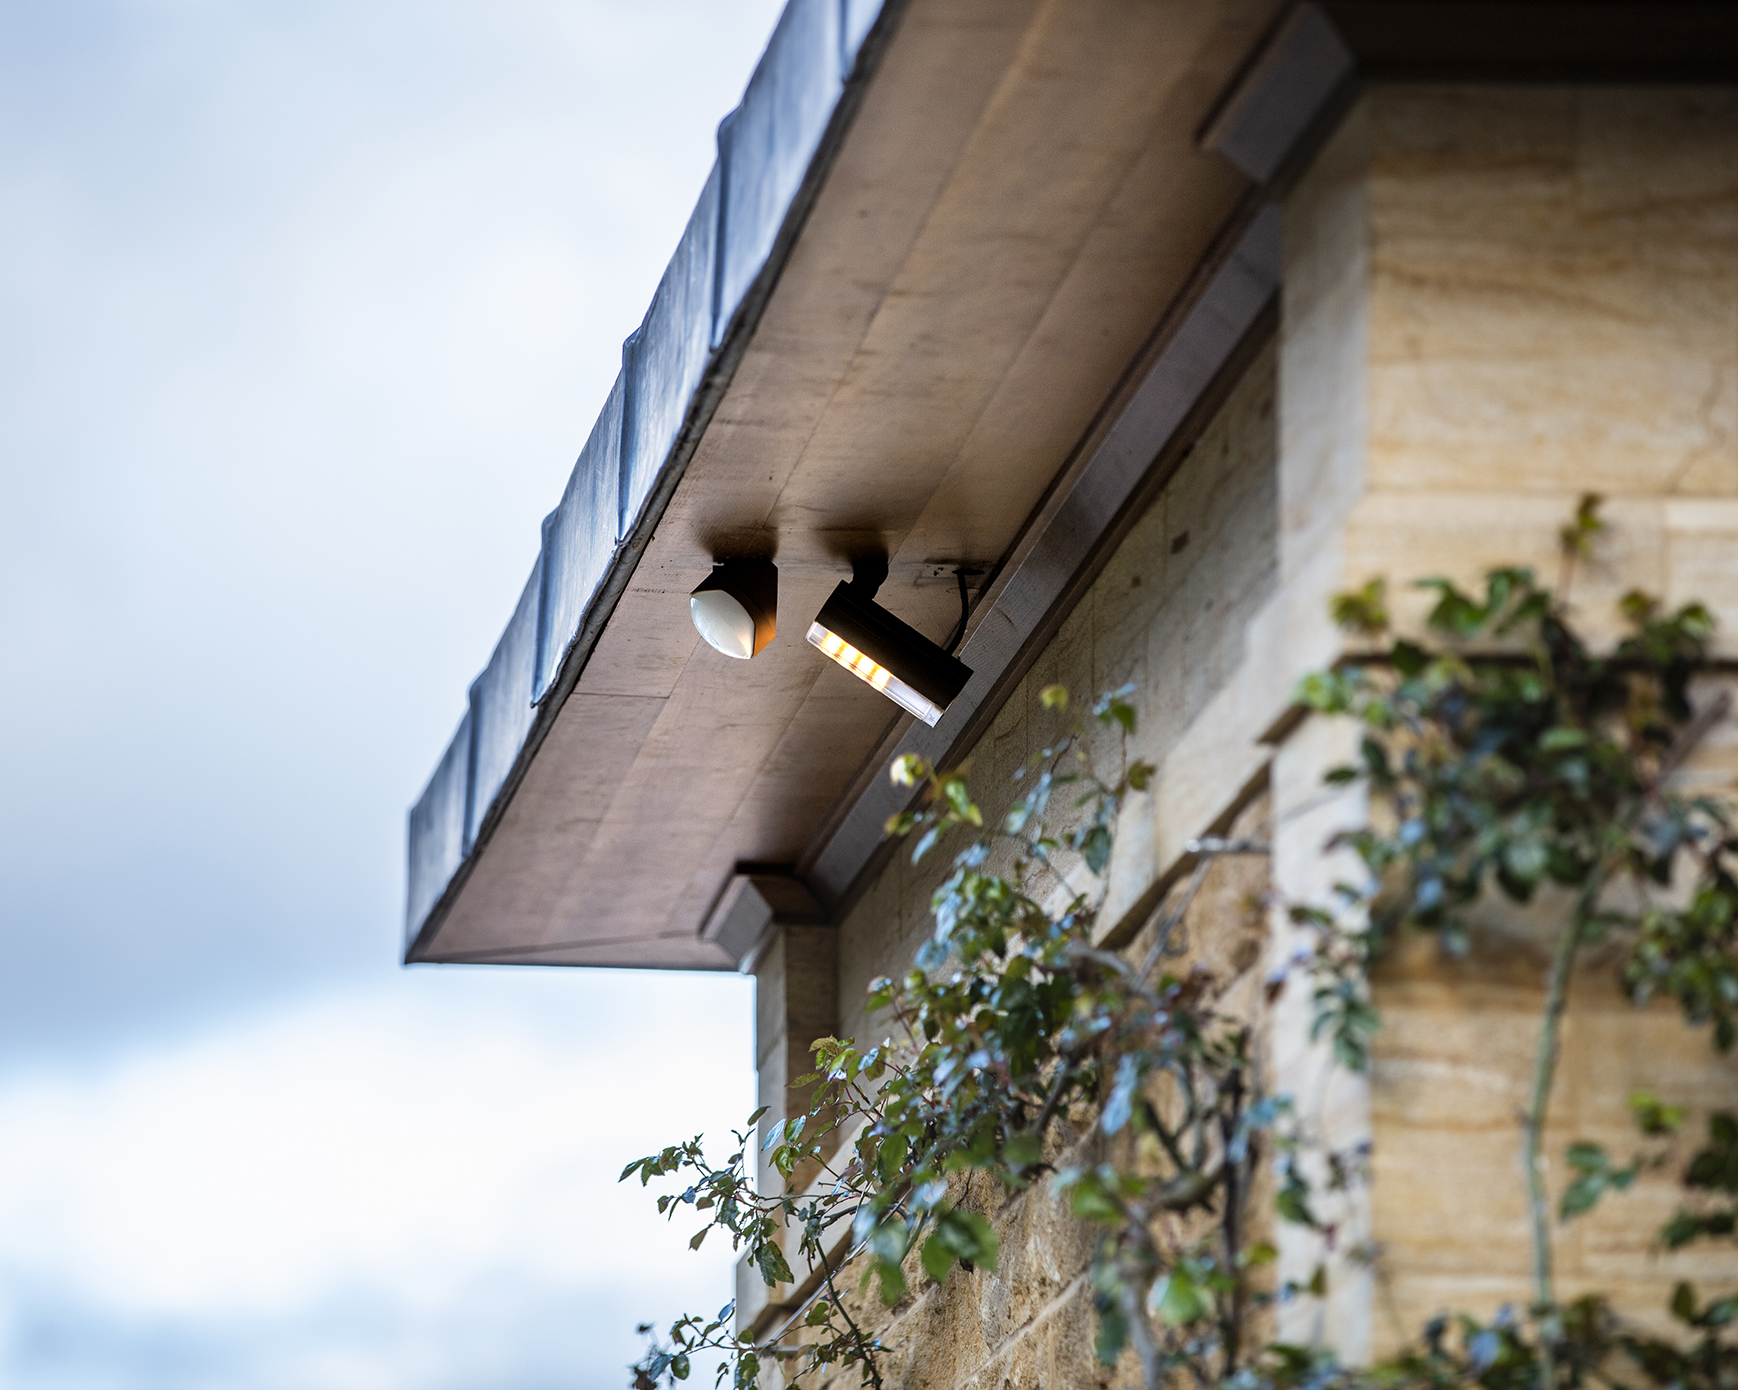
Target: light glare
{"points": [[873, 673], [723, 622]]}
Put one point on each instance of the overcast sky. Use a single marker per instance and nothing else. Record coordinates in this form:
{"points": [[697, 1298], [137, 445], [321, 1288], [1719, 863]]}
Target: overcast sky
{"points": [[305, 309]]}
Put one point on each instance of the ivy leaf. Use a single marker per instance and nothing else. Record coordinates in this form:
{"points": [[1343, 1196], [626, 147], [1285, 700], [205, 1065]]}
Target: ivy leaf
{"points": [[1683, 1303], [1409, 658], [969, 1236], [774, 1268], [959, 797], [1581, 1196], [1292, 1201], [1023, 1151], [1363, 611], [1112, 1331], [1095, 849], [1587, 1158], [1120, 1107], [1091, 1200], [890, 1158], [1179, 1300], [937, 1258], [892, 1280]]}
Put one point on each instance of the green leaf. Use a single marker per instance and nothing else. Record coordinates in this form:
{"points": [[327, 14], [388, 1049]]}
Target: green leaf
{"points": [[1023, 1150], [890, 1158], [1112, 1332], [774, 1268], [1652, 1116], [1723, 1130], [699, 1236], [1292, 1202], [1324, 691], [1581, 1196], [977, 1235], [1179, 1300], [1054, 697], [1683, 1303], [1363, 611], [1409, 658], [892, 1280], [1576, 538], [1587, 1158], [899, 824], [907, 770], [959, 797], [1089, 1197], [1680, 1230], [937, 1258], [1095, 849]]}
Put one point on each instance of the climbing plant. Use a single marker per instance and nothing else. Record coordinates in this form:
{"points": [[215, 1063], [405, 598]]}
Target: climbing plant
{"points": [[1506, 758], [1501, 758]]}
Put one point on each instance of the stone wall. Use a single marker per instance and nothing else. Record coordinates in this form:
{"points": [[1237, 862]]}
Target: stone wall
{"points": [[1169, 615], [1494, 301], [1552, 308]]}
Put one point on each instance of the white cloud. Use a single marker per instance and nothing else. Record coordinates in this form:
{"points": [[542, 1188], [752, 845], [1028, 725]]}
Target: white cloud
{"points": [[405, 1154], [306, 311]]}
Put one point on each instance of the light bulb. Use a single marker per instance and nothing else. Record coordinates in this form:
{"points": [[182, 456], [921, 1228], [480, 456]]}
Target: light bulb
{"points": [[723, 622]]}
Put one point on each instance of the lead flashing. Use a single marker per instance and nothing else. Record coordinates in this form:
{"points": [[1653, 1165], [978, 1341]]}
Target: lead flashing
{"points": [[776, 149]]}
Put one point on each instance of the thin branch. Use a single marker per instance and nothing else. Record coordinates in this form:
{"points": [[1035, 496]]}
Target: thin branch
{"points": [[1694, 732], [1172, 919], [863, 1345]]}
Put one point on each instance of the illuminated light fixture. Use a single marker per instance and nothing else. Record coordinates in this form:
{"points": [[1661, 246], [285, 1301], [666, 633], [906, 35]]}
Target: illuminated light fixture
{"points": [[736, 608], [889, 655]]}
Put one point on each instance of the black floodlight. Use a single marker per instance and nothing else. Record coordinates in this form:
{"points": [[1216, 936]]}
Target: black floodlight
{"points": [[736, 609], [892, 656]]}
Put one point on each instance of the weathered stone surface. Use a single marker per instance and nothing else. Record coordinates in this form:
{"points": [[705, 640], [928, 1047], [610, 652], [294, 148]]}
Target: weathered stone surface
{"points": [[1494, 301]]}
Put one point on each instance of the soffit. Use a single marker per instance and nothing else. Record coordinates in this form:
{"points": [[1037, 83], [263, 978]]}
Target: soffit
{"points": [[1018, 200]]}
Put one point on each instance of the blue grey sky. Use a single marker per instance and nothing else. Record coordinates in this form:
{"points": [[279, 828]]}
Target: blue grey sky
{"points": [[305, 309]]}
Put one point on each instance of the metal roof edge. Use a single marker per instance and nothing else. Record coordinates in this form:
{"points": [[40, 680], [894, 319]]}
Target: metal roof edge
{"points": [[762, 194]]}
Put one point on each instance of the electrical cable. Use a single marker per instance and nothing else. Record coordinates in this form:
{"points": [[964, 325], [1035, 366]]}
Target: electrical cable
{"points": [[959, 632]]}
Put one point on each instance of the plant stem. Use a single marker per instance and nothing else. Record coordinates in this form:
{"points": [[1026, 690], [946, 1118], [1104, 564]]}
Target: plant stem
{"points": [[1141, 1334], [868, 1352], [1230, 1225], [1544, 1074]]}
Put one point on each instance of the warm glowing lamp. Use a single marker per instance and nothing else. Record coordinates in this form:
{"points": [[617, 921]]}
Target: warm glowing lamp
{"points": [[889, 655]]}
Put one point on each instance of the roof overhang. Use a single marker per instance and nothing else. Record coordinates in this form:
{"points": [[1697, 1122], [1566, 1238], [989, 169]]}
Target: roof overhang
{"points": [[965, 276]]}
